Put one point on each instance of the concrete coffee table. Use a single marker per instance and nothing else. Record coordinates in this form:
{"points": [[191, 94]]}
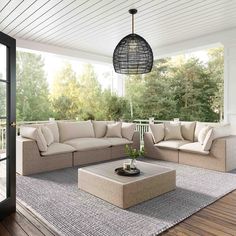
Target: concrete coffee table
{"points": [[123, 191]]}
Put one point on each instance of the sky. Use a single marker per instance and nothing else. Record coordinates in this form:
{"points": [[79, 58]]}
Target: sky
{"points": [[54, 63]]}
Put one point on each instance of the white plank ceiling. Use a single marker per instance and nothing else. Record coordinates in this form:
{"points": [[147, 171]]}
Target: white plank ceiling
{"points": [[96, 26]]}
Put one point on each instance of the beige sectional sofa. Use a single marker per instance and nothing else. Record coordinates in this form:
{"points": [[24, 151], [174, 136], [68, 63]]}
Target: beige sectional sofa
{"points": [[206, 145], [55, 145]]}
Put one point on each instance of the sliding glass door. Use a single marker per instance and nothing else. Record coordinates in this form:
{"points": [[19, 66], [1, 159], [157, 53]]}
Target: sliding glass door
{"points": [[7, 125]]}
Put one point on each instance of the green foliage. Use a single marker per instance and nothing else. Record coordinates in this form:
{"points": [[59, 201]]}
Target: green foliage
{"points": [[64, 94], [90, 94], [184, 88], [132, 152], [32, 89], [113, 107], [180, 87]]}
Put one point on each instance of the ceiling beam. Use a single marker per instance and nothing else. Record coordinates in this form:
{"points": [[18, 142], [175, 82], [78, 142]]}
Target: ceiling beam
{"points": [[194, 44]]}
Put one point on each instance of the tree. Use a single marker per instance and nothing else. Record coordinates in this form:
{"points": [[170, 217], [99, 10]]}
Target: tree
{"points": [[65, 94], [113, 106], [151, 94], [194, 91], [90, 94], [32, 96], [179, 87]]}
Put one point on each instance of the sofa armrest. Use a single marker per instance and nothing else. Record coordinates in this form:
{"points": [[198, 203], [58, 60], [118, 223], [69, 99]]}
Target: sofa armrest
{"points": [[26, 150], [230, 152], [136, 140], [149, 147], [218, 148], [225, 148]]}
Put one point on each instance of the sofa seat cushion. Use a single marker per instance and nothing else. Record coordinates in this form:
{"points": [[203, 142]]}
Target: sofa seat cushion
{"points": [[118, 141], [84, 144], [195, 147], [58, 148], [171, 144]]}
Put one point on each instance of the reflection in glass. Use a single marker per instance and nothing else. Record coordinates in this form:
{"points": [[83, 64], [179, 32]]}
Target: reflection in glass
{"points": [[2, 99], [3, 63], [3, 175], [2, 162]]}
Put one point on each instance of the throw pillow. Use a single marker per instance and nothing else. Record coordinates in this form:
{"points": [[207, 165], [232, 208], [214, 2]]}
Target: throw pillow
{"points": [[158, 132], [208, 140], [127, 130], [48, 135], [100, 127], [173, 131], [35, 134], [202, 134], [114, 130], [187, 130]]}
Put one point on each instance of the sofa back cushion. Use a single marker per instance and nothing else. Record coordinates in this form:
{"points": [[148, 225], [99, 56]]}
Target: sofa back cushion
{"points": [[114, 130], [48, 135], [127, 130], [208, 140], [71, 130], [54, 129], [158, 132], [203, 133], [187, 130], [214, 133], [200, 125], [221, 131], [52, 126], [173, 131], [100, 127], [34, 133]]}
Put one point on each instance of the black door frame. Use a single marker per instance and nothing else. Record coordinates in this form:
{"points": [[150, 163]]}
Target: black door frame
{"points": [[8, 205]]}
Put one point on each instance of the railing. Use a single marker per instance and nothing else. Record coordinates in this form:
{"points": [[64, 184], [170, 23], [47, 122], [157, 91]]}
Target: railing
{"points": [[141, 125], [2, 138], [142, 128], [3, 131]]}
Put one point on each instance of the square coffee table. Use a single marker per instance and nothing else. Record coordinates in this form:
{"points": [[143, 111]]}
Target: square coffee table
{"points": [[101, 181]]}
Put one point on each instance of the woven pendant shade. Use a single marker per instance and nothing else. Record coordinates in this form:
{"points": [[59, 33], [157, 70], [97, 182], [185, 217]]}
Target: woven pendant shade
{"points": [[133, 55]]}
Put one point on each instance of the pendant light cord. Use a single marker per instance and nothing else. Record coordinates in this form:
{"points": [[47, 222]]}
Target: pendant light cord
{"points": [[132, 12], [132, 23]]}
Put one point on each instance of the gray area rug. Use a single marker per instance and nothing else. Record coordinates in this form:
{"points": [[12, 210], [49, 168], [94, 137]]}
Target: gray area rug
{"points": [[57, 200]]}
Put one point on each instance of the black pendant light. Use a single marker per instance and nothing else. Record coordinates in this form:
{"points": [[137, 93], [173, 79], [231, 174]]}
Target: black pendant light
{"points": [[133, 54]]}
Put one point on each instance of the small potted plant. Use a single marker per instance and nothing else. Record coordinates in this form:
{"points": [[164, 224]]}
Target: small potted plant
{"points": [[133, 153]]}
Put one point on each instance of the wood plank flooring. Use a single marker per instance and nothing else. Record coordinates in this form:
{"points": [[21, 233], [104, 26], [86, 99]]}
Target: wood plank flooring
{"points": [[24, 223], [218, 219]]}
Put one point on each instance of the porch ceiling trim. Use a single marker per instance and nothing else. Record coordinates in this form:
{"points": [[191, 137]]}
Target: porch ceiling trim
{"points": [[66, 52]]}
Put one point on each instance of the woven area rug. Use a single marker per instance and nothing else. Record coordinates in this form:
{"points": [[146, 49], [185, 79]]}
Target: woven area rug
{"points": [[54, 196]]}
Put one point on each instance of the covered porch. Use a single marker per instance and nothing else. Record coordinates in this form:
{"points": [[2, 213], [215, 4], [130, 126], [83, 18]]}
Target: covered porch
{"points": [[88, 31]]}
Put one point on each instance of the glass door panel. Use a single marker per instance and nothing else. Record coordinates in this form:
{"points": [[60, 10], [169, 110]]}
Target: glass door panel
{"points": [[3, 117], [3, 171], [3, 98], [3, 62], [7, 127]]}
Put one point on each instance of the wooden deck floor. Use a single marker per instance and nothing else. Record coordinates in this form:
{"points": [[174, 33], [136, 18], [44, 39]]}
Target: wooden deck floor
{"points": [[217, 219]]}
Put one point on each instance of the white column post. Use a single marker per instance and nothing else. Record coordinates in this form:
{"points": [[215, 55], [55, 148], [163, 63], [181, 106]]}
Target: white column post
{"points": [[230, 85]]}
